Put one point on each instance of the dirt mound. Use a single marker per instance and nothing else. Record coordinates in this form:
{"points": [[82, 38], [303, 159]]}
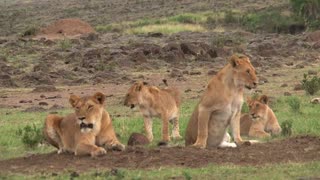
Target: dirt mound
{"points": [[65, 28], [296, 149]]}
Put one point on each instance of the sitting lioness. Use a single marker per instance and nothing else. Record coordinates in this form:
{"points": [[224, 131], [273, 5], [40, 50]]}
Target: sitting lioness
{"points": [[155, 102], [220, 105], [86, 131], [260, 119]]}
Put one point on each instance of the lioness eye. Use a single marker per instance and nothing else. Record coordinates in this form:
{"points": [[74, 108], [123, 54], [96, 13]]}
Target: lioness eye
{"points": [[90, 106]]}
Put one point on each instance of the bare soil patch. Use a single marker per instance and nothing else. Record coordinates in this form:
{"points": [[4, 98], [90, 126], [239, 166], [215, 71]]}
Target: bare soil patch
{"points": [[71, 27], [295, 149]]}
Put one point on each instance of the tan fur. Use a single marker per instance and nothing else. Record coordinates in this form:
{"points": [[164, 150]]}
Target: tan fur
{"points": [[155, 102], [260, 120], [65, 133], [220, 105]]}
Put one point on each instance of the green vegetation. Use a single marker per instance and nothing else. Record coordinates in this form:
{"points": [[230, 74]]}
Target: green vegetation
{"points": [[31, 136], [294, 103], [286, 127], [309, 10], [30, 124], [311, 86], [65, 44]]}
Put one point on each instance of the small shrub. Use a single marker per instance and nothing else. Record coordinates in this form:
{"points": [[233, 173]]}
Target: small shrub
{"points": [[309, 10], [65, 44], [231, 17], [294, 103], [286, 127], [245, 108], [31, 31], [311, 86], [31, 136], [187, 176]]}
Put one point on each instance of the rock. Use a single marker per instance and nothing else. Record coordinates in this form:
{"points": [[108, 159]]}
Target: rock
{"points": [[138, 57], [90, 37], [6, 81], [298, 87], [287, 94], [312, 72], [195, 73], [263, 80], [175, 73], [316, 45], [56, 107], [299, 66], [187, 90], [189, 48], [211, 72], [43, 104], [314, 36], [155, 34], [266, 50], [25, 101], [34, 109], [137, 139], [284, 85], [289, 63], [45, 88], [315, 101]]}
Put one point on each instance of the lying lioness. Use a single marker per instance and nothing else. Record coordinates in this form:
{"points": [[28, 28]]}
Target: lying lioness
{"points": [[260, 119], [155, 102], [87, 131], [220, 105]]}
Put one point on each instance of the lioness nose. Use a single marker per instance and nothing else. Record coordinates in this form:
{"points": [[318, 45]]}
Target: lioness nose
{"points": [[255, 84]]}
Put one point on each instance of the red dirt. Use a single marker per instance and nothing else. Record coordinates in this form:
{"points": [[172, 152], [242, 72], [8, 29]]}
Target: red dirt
{"points": [[295, 149], [65, 28]]}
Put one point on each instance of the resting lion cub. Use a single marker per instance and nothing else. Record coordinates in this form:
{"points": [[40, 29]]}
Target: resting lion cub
{"points": [[87, 131], [155, 102], [220, 105], [260, 119]]}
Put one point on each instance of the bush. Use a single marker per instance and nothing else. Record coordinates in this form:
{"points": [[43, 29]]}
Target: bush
{"points": [[309, 10], [65, 44], [31, 136], [270, 21], [286, 127], [294, 103], [31, 31], [311, 86]]}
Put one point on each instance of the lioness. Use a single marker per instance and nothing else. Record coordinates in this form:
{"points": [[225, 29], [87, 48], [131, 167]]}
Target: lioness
{"points": [[155, 102], [220, 105], [260, 119], [87, 131]]}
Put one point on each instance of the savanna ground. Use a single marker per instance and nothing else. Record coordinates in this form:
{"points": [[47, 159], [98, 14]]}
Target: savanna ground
{"points": [[185, 42]]}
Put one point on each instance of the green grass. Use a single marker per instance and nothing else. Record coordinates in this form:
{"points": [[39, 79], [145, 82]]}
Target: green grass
{"points": [[305, 122]]}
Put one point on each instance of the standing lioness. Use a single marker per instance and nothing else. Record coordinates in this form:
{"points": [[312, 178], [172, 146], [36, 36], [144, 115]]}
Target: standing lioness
{"points": [[155, 102], [220, 105], [87, 131]]}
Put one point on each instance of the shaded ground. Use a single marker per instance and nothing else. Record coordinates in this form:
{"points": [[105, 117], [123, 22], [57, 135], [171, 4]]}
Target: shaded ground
{"points": [[295, 149]]}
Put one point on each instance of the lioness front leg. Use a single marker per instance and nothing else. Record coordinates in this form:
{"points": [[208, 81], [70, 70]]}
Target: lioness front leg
{"points": [[165, 128], [203, 120], [175, 129], [93, 150], [235, 128], [148, 127], [259, 134]]}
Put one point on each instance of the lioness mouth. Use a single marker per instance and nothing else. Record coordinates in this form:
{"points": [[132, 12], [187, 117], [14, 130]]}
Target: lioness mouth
{"points": [[84, 125]]}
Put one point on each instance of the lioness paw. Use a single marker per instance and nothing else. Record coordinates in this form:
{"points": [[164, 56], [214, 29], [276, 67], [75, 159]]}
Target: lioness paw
{"points": [[98, 152], [200, 146], [118, 147]]}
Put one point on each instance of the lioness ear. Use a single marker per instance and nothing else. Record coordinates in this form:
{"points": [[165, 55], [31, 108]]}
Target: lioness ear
{"points": [[264, 99], [73, 100], [140, 85], [234, 61], [100, 97]]}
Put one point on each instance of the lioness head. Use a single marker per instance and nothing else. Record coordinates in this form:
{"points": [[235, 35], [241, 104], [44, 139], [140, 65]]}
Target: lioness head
{"points": [[88, 110], [259, 109], [134, 93], [245, 74]]}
